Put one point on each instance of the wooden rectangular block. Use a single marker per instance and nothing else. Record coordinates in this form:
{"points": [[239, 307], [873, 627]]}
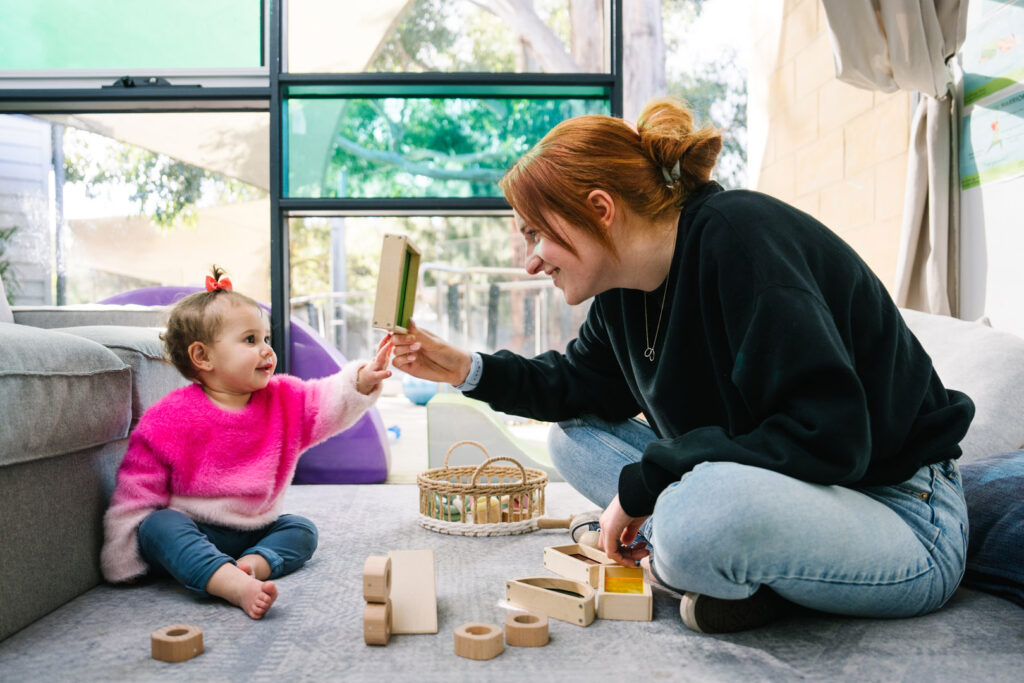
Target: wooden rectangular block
{"points": [[576, 562], [624, 594], [413, 592], [396, 284], [563, 599]]}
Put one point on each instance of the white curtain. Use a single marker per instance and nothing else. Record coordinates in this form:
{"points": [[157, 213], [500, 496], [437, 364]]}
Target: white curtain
{"points": [[892, 45]]}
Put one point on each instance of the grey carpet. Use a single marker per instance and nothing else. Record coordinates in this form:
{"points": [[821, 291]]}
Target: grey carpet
{"points": [[314, 632]]}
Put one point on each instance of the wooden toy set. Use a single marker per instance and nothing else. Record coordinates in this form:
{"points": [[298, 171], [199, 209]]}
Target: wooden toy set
{"points": [[396, 284], [400, 595], [592, 586], [481, 500]]}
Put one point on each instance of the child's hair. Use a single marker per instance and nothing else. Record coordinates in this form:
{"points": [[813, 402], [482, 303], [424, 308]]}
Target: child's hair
{"points": [[191, 321]]}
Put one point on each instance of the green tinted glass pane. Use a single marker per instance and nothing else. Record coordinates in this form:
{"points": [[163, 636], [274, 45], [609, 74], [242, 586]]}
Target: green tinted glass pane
{"points": [[128, 34], [414, 147], [449, 36]]}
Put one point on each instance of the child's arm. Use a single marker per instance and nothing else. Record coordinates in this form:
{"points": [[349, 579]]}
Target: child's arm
{"points": [[142, 487], [376, 371], [335, 403]]}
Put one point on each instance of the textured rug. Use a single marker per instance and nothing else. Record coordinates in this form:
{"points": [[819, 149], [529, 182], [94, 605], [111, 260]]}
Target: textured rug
{"points": [[314, 631]]}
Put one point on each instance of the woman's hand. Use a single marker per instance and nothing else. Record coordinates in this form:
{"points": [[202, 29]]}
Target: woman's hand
{"points": [[376, 371], [427, 356], [618, 530]]}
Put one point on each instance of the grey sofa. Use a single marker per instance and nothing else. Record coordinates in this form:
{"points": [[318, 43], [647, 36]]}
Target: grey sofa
{"points": [[73, 382], [314, 631]]}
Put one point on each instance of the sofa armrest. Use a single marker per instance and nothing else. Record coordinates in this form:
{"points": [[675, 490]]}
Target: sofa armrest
{"points": [[131, 315]]}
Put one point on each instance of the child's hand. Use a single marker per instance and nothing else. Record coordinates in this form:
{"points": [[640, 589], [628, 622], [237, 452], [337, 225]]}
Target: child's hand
{"points": [[374, 372]]}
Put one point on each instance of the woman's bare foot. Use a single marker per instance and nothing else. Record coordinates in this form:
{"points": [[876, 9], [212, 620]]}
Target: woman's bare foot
{"points": [[240, 588]]}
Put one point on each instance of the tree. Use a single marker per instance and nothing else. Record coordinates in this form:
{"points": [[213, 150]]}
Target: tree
{"points": [[6, 267], [165, 189]]}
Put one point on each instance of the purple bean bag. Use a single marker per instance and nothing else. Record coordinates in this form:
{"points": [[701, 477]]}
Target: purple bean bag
{"points": [[359, 455]]}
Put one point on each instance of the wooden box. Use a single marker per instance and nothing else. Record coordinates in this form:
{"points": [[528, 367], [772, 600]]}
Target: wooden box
{"points": [[624, 593], [576, 562], [396, 284]]}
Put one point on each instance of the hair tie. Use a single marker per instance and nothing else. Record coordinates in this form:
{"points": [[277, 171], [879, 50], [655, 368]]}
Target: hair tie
{"points": [[672, 175], [213, 285]]}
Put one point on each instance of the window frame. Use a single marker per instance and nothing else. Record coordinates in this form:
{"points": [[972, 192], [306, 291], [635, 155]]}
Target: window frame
{"points": [[267, 89]]}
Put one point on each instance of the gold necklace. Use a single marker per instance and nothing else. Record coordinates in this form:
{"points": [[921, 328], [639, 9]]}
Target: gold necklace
{"points": [[649, 353]]}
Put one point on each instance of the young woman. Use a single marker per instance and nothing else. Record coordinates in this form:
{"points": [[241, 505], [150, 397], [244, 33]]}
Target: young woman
{"points": [[796, 445]]}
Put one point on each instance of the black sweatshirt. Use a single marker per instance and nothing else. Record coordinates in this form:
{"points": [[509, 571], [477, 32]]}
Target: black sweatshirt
{"points": [[779, 348]]}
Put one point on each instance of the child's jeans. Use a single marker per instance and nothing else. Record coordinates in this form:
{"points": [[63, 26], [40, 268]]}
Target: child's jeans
{"points": [[192, 551], [726, 529]]}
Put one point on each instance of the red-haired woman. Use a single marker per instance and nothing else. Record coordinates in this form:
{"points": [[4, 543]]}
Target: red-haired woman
{"points": [[796, 445]]}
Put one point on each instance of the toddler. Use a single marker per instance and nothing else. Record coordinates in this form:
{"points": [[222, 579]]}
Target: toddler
{"points": [[200, 490]]}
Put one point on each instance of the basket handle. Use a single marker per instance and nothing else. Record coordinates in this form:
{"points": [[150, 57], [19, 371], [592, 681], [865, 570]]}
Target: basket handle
{"points": [[460, 443], [480, 469]]}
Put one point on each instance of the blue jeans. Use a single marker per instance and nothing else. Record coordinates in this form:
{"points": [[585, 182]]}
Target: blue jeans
{"points": [[192, 551], [726, 529]]}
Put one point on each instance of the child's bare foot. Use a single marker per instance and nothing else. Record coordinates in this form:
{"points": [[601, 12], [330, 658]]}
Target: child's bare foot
{"points": [[240, 588], [254, 565], [258, 598]]}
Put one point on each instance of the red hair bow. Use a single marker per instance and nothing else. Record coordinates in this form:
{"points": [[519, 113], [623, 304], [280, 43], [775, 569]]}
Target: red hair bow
{"points": [[212, 285]]}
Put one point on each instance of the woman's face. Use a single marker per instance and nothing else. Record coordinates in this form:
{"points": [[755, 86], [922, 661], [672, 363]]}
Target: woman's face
{"points": [[580, 276]]}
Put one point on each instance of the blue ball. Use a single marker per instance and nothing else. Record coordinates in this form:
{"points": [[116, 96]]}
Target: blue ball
{"points": [[419, 391]]}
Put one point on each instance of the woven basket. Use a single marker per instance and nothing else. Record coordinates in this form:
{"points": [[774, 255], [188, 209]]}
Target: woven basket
{"points": [[481, 500]]}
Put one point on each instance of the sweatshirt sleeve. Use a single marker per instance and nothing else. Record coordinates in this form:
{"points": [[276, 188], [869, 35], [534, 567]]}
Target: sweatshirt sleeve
{"points": [[794, 373], [557, 386], [143, 486], [334, 403]]}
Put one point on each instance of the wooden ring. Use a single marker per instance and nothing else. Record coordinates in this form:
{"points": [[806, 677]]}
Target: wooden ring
{"points": [[478, 641], [525, 629], [176, 643], [377, 578], [377, 623]]}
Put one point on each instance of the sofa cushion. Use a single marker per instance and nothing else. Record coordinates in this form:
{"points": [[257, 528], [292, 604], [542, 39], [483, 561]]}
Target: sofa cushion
{"points": [[995, 510], [59, 393], [988, 365], [139, 348]]}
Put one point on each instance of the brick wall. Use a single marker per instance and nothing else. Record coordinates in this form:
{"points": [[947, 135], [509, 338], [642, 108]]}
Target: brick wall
{"points": [[835, 151]]}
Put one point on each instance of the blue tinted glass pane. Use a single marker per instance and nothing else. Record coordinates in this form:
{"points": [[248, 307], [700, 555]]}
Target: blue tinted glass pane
{"points": [[128, 34], [414, 147]]}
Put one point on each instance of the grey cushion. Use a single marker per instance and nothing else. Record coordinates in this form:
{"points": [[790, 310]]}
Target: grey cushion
{"points": [[988, 365], [141, 349], [91, 314], [5, 309], [59, 393]]}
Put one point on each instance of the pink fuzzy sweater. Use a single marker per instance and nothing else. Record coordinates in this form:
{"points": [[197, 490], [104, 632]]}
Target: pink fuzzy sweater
{"points": [[222, 467]]}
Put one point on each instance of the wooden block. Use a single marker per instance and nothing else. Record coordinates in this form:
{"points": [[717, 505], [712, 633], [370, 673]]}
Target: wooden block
{"points": [[478, 641], [624, 594], [377, 622], [413, 592], [176, 643], [562, 599], [577, 562], [377, 578], [523, 629], [396, 284]]}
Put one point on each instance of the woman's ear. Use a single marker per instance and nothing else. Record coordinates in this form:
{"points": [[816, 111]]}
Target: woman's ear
{"points": [[200, 356], [603, 205]]}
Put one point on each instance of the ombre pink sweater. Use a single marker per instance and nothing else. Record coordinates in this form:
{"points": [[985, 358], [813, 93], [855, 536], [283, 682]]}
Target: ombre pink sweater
{"points": [[222, 467]]}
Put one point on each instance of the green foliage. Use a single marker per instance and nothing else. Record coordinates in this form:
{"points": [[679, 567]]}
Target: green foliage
{"points": [[165, 189], [6, 268], [418, 147]]}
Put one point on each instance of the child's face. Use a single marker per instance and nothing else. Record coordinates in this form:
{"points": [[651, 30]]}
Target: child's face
{"points": [[241, 356]]}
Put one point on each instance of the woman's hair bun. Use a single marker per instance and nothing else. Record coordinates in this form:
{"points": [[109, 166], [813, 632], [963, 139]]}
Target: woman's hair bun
{"points": [[668, 136]]}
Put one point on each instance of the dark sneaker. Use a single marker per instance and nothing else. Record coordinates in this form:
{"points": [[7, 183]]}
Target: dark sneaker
{"points": [[705, 614], [584, 522]]}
